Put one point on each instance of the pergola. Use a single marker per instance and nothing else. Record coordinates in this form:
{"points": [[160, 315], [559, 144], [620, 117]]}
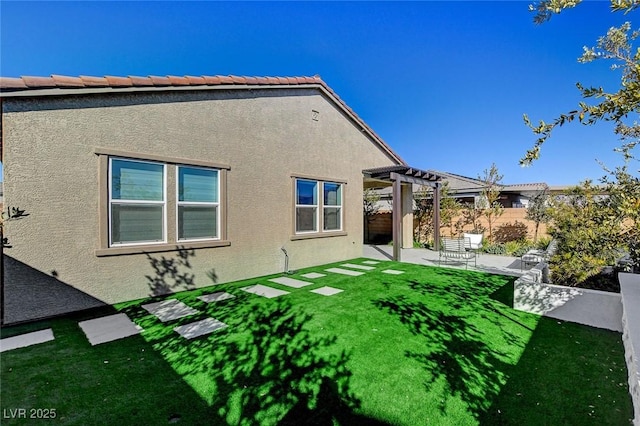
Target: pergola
{"points": [[401, 178]]}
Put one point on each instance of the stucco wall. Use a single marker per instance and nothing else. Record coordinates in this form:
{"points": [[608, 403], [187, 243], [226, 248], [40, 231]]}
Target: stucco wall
{"points": [[265, 136]]}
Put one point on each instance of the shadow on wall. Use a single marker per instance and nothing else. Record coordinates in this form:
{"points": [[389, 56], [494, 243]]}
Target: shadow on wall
{"points": [[31, 294], [172, 274]]}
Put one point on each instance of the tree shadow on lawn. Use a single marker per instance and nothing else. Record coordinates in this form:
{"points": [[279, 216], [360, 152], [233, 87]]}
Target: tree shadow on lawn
{"points": [[266, 367], [459, 323], [568, 374]]}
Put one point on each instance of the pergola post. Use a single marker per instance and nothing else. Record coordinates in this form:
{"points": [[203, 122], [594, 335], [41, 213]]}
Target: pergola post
{"points": [[396, 218], [436, 216]]}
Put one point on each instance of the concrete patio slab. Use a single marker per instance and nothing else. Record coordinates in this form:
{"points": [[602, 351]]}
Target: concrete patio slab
{"points": [[24, 340], [313, 275], [199, 328], [264, 291], [109, 328], [169, 310], [327, 291], [392, 272], [494, 264], [344, 272], [370, 262], [354, 266], [290, 282], [216, 297]]}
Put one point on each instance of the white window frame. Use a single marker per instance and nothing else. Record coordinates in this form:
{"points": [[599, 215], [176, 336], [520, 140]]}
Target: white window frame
{"points": [[198, 203], [309, 206], [339, 206], [137, 202]]}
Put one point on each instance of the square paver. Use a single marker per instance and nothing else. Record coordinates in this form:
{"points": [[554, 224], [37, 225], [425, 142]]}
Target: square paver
{"points": [[392, 272], [169, 310], [370, 262], [290, 282], [199, 328], [344, 271], [24, 340], [264, 291], [109, 328], [327, 291], [354, 266], [216, 297], [313, 275]]}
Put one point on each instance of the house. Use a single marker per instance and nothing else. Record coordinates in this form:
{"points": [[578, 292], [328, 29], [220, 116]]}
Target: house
{"points": [[137, 186]]}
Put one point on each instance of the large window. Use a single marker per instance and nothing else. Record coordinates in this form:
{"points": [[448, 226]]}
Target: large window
{"points": [[198, 203], [136, 202], [315, 213]]}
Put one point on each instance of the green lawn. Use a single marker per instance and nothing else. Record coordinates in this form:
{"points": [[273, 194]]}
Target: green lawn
{"points": [[433, 346]]}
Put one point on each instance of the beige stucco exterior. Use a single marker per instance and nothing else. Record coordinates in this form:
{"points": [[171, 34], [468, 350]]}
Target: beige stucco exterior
{"points": [[52, 169]]}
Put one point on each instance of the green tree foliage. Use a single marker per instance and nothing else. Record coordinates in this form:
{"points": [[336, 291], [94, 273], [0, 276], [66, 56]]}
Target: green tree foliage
{"points": [[538, 211], [586, 229], [491, 207], [423, 213], [620, 108]]}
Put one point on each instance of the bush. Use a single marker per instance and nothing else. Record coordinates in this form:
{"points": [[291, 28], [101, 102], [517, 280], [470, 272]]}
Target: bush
{"points": [[510, 232], [543, 243], [495, 249], [517, 248]]}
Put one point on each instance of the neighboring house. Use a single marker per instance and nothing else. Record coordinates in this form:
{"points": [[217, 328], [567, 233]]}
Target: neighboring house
{"points": [[119, 172], [514, 198]]}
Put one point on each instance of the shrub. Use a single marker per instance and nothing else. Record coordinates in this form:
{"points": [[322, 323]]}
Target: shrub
{"points": [[517, 248], [543, 243], [495, 249], [510, 232]]}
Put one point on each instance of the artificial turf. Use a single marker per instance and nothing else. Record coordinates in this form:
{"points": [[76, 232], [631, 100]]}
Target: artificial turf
{"points": [[433, 346]]}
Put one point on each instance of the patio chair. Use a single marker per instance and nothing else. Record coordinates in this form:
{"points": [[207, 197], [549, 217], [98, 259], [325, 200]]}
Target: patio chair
{"points": [[533, 257], [474, 242], [456, 248]]}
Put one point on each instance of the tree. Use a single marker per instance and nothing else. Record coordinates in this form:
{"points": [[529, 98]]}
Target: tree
{"points": [[370, 207], [450, 207], [620, 108], [423, 212], [538, 211], [491, 207]]}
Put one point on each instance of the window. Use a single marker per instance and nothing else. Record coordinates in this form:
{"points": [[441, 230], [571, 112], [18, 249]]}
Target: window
{"points": [[151, 203], [198, 203], [306, 206], [136, 202], [332, 206], [314, 213]]}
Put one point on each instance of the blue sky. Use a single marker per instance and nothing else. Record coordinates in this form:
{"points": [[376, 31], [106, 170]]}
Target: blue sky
{"points": [[444, 83]]}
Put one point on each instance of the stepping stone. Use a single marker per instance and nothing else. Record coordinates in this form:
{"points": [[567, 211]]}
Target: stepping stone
{"points": [[109, 328], [24, 340], [312, 275], [344, 272], [353, 266], [327, 291], [370, 262], [392, 272], [199, 328], [216, 297], [264, 291], [169, 310], [290, 282]]}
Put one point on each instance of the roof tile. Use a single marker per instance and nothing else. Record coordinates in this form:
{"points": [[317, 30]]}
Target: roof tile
{"points": [[239, 80], [251, 80], [12, 83], [196, 81], [178, 81], [140, 81], [65, 81], [225, 79], [38, 82], [262, 80], [90, 81], [211, 79], [160, 80], [118, 81]]}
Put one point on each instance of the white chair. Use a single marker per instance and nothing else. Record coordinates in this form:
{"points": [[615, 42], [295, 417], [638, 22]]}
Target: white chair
{"points": [[473, 242]]}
